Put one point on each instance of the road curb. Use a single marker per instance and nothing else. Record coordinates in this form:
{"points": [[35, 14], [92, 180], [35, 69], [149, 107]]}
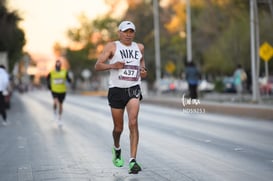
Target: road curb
{"points": [[244, 110]]}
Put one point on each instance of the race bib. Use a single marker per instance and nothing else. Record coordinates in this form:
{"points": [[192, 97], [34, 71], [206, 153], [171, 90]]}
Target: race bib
{"points": [[58, 81], [129, 72]]}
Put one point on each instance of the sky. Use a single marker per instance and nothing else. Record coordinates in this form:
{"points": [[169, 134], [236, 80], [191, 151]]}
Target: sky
{"points": [[46, 21]]}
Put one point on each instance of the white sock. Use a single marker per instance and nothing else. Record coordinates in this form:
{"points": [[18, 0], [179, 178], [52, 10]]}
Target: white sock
{"points": [[132, 159], [116, 148]]}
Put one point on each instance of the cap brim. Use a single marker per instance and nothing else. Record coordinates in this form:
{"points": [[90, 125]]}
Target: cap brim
{"points": [[128, 29]]}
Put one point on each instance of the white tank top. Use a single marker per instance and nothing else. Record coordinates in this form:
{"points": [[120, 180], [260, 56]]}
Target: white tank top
{"points": [[130, 74]]}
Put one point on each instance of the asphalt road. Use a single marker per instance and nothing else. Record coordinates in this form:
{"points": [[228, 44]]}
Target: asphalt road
{"points": [[174, 145]]}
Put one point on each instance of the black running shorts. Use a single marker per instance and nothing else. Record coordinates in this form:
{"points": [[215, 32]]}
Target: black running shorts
{"points": [[119, 97], [59, 96]]}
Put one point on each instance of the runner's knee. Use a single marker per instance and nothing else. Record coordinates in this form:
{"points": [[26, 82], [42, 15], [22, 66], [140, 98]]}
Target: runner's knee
{"points": [[118, 129], [133, 124]]}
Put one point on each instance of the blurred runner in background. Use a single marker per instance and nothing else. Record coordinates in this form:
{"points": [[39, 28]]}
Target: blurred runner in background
{"points": [[4, 82], [56, 81]]}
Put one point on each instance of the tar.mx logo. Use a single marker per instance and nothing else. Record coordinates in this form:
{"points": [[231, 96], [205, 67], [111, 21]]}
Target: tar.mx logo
{"points": [[191, 105]]}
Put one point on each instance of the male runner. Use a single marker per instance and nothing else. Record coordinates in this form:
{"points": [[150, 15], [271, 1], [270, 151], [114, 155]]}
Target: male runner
{"points": [[127, 67]]}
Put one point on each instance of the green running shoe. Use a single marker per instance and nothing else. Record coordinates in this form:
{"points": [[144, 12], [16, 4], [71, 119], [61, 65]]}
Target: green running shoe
{"points": [[117, 159], [134, 167]]}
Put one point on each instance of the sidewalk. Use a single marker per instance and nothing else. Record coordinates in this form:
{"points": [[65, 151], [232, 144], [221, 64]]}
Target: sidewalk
{"points": [[218, 104]]}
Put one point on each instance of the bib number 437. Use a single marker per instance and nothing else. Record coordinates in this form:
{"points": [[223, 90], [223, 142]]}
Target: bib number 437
{"points": [[130, 73]]}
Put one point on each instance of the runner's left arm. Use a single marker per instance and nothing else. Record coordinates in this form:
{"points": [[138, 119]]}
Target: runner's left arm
{"points": [[68, 78], [143, 69]]}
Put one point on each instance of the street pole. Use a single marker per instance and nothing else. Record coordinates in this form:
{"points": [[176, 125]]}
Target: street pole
{"points": [[188, 24], [257, 36], [266, 62], [254, 51], [157, 45]]}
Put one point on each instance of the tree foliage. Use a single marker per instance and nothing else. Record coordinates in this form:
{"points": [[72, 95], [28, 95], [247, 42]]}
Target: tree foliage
{"points": [[12, 38], [87, 41], [220, 34]]}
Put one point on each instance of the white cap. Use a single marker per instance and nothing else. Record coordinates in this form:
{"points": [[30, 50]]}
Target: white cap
{"points": [[125, 25]]}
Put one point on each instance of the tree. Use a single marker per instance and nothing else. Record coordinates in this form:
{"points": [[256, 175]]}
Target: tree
{"points": [[12, 38], [266, 27], [87, 41], [220, 34], [227, 36], [231, 47]]}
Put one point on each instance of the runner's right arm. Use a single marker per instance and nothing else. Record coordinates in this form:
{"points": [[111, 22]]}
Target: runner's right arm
{"points": [[106, 54], [48, 81]]}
